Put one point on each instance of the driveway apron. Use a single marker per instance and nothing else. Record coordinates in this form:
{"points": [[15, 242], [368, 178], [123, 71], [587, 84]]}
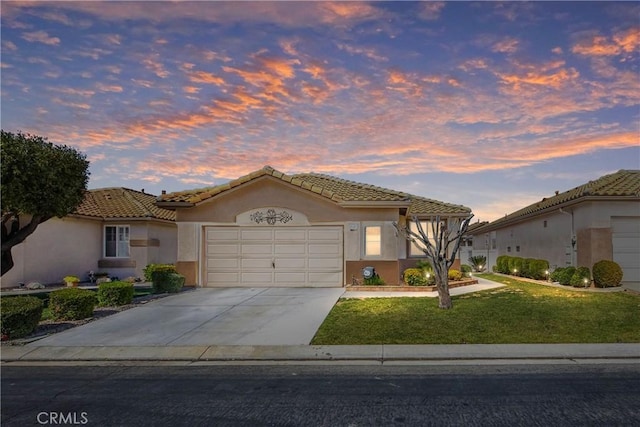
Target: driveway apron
{"points": [[223, 316]]}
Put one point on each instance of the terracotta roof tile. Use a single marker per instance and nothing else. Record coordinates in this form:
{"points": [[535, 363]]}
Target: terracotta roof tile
{"points": [[118, 202], [336, 189]]}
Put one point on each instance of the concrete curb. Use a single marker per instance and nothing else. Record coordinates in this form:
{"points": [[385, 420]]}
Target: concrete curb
{"points": [[305, 353]]}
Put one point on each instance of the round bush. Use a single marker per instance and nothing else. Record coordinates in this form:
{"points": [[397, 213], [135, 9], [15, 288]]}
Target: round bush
{"points": [[151, 268], [115, 293], [607, 274], [19, 316], [166, 281], [72, 304], [454, 274], [414, 277], [579, 277]]}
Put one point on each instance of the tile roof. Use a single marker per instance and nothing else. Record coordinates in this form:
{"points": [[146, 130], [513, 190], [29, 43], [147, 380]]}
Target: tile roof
{"points": [[339, 190], [119, 202], [621, 185]]}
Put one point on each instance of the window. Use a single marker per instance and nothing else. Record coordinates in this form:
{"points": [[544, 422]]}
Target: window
{"points": [[414, 250], [373, 241], [544, 224], [116, 241], [517, 248], [508, 248]]}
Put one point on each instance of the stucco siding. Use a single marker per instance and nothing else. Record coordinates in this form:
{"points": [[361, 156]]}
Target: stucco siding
{"points": [[58, 247]]}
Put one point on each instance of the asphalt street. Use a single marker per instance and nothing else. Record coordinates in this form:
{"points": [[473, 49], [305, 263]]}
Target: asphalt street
{"points": [[325, 395]]}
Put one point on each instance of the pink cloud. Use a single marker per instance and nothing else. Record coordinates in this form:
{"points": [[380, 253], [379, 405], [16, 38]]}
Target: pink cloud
{"points": [[41, 37]]}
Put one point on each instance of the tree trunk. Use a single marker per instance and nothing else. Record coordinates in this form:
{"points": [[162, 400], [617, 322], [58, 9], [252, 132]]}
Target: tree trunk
{"points": [[7, 261], [442, 284]]}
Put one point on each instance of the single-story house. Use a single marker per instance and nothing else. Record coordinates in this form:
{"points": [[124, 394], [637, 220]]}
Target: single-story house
{"points": [[594, 221], [115, 230], [268, 228]]}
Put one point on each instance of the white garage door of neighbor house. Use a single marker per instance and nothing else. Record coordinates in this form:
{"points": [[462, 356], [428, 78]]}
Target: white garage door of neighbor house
{"points": [[626, 246], [274, 256]]}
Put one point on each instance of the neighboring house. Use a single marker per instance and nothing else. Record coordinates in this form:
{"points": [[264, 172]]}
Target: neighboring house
{"points": [[115, 230], [272, 229], [597, 220], [466, 246]]}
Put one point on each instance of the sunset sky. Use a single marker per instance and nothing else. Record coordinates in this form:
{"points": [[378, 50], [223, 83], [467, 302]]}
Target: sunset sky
{"points": [[490, 105]]}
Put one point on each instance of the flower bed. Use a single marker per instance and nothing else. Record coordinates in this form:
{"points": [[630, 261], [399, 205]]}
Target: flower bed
{"points": [[404, 288]]}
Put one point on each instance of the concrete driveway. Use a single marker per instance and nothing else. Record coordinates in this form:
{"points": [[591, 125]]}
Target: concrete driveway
{"points": [[224, 316]]}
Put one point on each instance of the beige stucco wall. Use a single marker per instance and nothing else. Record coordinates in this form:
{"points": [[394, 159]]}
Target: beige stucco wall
{"points": [[58, 247]]}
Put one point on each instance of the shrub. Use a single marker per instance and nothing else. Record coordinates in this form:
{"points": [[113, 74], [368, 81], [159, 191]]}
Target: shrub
{"points": [[502, 264], [414, 277], [115, 293], [376, 280], [516, 266], [425, 266], [578, 278], [537, 269], [19, 316], [564, 275], [607, 274], [72, 303], [149, 269], [454, 274], [478, 262], [466, 269], [166, 281]]}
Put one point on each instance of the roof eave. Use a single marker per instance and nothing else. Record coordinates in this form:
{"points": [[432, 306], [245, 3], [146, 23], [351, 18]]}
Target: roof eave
{"points": [[363, 204], [174, 205]]}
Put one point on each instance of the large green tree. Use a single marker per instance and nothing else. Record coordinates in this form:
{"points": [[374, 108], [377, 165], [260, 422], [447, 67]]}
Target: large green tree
{"points": [[40, 180]]}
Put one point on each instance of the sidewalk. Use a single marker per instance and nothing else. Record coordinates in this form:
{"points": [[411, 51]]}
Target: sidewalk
{"points": [[356, 354]]}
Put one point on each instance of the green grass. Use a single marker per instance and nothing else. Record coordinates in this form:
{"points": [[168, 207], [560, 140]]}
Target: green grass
{"points": [[521, 312]]}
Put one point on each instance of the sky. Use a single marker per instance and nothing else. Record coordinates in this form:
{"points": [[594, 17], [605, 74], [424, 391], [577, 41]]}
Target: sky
{"points": [[489, 105]]}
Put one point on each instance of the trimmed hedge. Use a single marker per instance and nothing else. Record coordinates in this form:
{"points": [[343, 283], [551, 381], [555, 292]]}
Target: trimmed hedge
{"points": [[72, 304], [149, 269], [525, 267], [166, 281], [414, 277], [578, 278], [563, 275], [607, 274], [112, 294], [19, 316]]}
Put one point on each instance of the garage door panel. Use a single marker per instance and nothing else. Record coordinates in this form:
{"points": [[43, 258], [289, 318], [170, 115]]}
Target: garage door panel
{"points": [[295, 235], [279, 256], [223, 263], [290, 248], [222, 234], [290, 263], [230, 277], [626, 246], [256, 234], [317, 249], [325, 278], [256, 263], [257, 249], [223, 250], [325, 263]]}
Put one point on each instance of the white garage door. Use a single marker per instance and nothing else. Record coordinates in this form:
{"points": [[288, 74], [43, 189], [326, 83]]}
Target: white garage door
{"points": [[626, 246], [275, 256]]}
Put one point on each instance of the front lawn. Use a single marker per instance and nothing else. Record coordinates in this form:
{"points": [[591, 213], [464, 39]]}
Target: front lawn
{"points": [[521, 312]]}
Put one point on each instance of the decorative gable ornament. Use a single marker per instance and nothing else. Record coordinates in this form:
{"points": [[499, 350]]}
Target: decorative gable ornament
{"points": [[271, 217]]}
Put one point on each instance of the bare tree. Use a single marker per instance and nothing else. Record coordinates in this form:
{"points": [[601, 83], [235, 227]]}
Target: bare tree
{"points": [[441, 248]]}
